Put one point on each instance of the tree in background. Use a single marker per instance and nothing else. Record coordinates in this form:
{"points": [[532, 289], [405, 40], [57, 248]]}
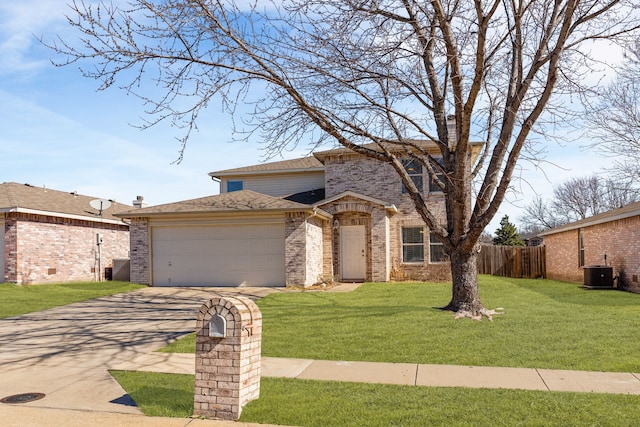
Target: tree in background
{"points": [[371, 76], [507, 234], [577, 199], [614, 117]]}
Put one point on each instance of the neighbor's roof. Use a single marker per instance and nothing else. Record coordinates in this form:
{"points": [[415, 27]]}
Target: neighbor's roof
{"points": [[628, 211], [305, 164], [25, 198], [233, 202]]}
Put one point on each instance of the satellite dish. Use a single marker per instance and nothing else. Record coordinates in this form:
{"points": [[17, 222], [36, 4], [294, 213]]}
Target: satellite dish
{"points": [[100, 205]]}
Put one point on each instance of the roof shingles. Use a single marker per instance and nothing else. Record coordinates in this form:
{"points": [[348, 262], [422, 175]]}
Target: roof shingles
{"points": [[236, 201], [15, 196], [302, 164]]}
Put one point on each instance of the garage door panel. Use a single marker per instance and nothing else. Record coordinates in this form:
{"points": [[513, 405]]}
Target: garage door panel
{"points": [[251, 255]]}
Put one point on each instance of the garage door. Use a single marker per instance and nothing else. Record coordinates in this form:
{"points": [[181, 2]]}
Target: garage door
{"points": [[230, 255]]}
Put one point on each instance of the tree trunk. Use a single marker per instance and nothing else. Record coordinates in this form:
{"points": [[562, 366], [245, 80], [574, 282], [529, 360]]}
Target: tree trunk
{"points": [[465, 299]]}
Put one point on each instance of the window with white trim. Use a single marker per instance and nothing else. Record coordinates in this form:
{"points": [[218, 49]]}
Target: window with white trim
{"points": [[436, 250], [412, 244]]}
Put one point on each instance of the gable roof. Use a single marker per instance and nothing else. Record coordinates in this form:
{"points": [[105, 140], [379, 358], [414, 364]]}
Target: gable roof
{"points": [[233, 202], [388, 206], [25, 198], [632, 209], [304, 164]]}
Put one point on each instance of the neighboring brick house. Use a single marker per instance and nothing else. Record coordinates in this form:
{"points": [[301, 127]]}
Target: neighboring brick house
{"points": [[611, 238], [335, 215], [51, 236]]}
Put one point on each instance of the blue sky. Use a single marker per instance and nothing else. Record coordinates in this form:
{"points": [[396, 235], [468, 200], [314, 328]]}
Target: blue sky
{"points": [[58, 132]]}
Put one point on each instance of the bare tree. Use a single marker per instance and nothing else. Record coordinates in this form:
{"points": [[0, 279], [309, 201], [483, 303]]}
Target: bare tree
{"points": [[577, 199], [373, 76], [539, 216], [615, 117]]}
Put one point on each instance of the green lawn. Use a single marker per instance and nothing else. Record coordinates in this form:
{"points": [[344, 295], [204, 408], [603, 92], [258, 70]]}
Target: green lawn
{"points": [[546, 324], [23, 299], [326, 404]]}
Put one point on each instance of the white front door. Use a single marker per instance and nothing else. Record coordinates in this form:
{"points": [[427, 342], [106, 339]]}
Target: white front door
{"points": [[353, 256]]}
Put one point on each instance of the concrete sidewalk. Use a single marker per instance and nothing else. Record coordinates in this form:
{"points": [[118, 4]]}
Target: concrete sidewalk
{"points": [[413, 374], [36, 415]]}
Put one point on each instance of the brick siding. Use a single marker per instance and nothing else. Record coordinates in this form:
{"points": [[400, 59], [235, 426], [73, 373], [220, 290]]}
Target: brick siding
{"points": [[140, 254], [619, 240], [47, 249], [384, 248], [227, 369], [303, 249]]}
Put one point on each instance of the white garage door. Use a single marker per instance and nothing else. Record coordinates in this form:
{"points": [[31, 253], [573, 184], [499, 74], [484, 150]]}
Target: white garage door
{"points": [[229, 255]]}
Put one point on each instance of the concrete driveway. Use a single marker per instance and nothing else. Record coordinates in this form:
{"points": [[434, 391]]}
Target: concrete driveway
{"points": [[65, 352]]}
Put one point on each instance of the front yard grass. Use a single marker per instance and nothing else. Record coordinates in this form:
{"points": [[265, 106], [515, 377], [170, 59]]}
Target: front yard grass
{"points": [[326, 404], [22, 299], [547, 324]]}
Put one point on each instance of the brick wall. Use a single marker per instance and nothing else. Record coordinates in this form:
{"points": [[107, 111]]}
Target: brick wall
{"points": [[619, 240], [140, 260], [304, 248], [362, 175], [379, 180], [294, 249], [562, 257], [327, 252], [227, 369], [45, 249], [314, 248]]}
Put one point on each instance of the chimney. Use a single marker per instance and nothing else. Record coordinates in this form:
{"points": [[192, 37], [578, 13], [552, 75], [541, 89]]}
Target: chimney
{"points": [[451, 130], [139, 202]]}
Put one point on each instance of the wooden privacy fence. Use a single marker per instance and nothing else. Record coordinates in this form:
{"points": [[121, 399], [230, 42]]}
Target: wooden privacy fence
{"points": [[512, 261]]}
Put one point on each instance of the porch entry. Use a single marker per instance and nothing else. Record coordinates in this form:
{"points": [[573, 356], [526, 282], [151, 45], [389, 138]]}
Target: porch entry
{"points": [[353, 254]]}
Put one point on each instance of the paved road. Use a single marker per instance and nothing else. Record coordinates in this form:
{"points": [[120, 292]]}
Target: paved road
{"points": [[65, 352]]}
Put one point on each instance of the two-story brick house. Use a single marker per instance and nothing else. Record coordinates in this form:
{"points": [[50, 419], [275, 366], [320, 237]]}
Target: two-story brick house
{"points": [[335, 215]]}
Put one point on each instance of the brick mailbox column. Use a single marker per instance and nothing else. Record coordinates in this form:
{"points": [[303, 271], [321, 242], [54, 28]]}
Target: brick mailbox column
{"points": [[228, 345]]}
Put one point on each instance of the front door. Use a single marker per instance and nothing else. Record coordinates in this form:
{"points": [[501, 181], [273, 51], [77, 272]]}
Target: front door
{"points": [[353, 256]]}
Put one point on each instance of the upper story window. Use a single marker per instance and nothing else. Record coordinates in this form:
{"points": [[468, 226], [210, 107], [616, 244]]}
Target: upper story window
{"points": [[433, 185], [234, 186], [412, 244], [414, 170]]}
